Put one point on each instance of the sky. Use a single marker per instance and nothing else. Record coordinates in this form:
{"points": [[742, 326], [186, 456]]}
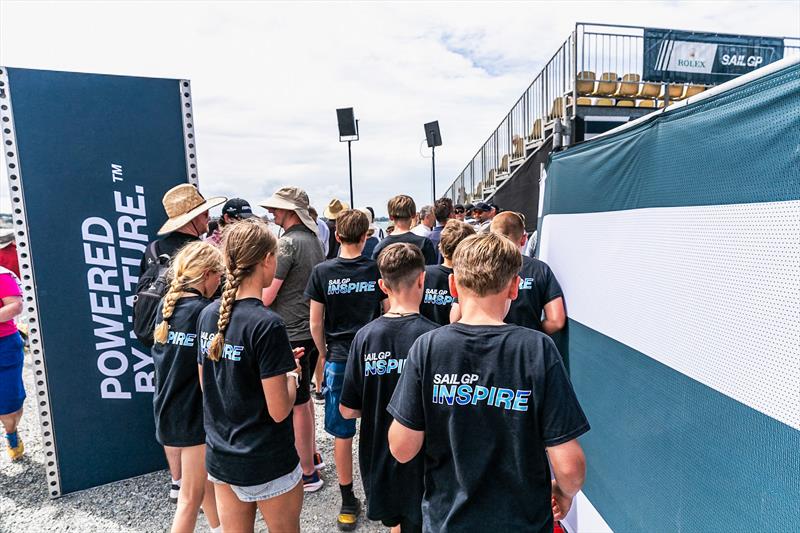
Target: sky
{"points": [[268, 76]]}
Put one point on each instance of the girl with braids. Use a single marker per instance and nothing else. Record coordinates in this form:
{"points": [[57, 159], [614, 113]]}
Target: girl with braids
{"points": [[178, 401], [250, 379]]}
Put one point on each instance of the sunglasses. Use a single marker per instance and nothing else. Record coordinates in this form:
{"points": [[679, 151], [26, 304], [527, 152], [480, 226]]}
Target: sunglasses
{"points": [[459, 211]]}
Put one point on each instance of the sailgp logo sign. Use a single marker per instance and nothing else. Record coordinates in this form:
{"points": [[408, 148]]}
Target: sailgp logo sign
{"points": [[688, 57]]}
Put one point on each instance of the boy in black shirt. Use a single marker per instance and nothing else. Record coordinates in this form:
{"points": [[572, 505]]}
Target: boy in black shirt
{"points": [[491, 402], [377, 357], [538, 287], [401, 210], [437, 300], [344, 296]]}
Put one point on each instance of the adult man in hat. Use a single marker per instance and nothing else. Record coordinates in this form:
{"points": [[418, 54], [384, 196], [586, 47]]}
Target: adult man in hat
{"points": [[484, 213], [234, 210], [331, 212], [188, 220], [299, 250]]}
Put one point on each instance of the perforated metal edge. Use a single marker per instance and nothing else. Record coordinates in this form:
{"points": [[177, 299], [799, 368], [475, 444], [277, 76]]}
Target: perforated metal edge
{"points": [[189, 138], [20, 223]]}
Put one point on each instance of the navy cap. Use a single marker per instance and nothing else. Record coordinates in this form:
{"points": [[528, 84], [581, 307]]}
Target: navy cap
{"points": [[482, 206], [237, 208]]}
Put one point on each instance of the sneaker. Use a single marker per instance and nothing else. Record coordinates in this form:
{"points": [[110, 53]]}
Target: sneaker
{"points": [[15, 454], [319, 464], [312, 482], [174, 490], [318, 396], [348, 516]]}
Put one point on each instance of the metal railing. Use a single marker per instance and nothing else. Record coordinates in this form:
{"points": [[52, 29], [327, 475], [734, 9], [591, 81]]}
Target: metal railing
{"points": [[615, 50]]}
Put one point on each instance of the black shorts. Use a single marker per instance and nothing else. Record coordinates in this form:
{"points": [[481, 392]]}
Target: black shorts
{"points": [[406, 525], [309, 358]]}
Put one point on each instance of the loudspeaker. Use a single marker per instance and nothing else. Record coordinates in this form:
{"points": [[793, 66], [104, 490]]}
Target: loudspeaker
{"points": [[347, 122], [432, 134]]}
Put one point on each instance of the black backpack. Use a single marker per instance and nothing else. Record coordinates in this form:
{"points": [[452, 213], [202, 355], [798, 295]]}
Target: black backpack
{"points": [[150, 290]]}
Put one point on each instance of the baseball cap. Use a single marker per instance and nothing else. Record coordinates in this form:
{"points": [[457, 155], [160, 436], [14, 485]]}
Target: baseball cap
{"points": [[482, 206], [237, 208]]}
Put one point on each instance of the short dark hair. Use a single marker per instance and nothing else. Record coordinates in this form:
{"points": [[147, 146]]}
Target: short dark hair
{"points": [[400, 264], [442, 209], [351, 226]]}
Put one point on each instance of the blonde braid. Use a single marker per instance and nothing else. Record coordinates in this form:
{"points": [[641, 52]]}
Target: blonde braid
{"points": [[233, 280], [170, 299]]}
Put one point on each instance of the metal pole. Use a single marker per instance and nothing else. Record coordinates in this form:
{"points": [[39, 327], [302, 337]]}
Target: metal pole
{"points": [[433, 171], [350, 165]]}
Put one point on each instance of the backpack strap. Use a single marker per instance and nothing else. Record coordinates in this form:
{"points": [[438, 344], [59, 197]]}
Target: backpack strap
{"points": [[152, 253]]}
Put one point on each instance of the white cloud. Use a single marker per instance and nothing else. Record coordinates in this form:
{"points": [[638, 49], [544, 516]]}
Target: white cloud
{"points": [[266, 77]]}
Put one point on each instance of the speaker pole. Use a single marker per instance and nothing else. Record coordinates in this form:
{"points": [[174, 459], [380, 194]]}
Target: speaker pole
{"points": [[350, 165], [433, 171]]}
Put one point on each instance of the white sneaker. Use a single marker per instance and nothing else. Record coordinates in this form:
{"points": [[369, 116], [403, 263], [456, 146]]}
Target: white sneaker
{"points": [[174, 490]]}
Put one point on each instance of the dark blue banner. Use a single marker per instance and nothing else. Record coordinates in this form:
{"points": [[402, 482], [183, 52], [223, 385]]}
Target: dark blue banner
{"points": [[705, 58], [94, 156]]}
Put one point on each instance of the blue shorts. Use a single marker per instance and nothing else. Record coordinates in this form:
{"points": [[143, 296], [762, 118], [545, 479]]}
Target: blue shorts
{"points": [[265, 491], [335, 423], [12, 390]]}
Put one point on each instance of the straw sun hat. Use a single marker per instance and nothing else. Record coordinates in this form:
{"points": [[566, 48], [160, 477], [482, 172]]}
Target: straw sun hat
{"points": [[335, 207], [292, 199], [184, 202]]}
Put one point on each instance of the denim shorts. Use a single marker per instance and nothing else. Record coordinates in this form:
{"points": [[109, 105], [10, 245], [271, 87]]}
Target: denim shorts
{"points": [[267, 490], [12, 390], [335, 423]]}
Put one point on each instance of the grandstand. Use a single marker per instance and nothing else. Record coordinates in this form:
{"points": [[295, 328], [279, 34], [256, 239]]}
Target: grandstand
{"points": [[601, 76]]}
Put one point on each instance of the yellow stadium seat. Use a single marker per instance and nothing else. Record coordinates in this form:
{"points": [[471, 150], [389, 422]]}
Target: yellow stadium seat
{"points": [[585, 82], [649, 90], [624, 103], [629, 85], [675, 91], [558, 107], [518, 144], [536, 131], [607, 84], [604, 102], [492, 176], [503, 168], [582, 100], [646, 103], [692, 90]]}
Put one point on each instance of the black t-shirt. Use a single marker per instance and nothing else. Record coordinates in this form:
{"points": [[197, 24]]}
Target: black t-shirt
{"points": [[490, 399], [169, 245], [423, 243], [349, 289], [437, 300], [178, 400], [245, 446], [538, 286], [377, 357]]}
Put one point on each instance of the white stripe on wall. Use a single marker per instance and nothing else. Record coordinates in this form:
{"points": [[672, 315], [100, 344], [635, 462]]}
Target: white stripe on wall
{"points": [[711, 291]]}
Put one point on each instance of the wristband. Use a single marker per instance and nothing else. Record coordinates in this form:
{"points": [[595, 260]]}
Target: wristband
{"points": [[296, 377]]}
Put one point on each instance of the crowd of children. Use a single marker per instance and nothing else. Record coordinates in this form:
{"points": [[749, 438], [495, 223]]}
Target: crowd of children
{"points": [[467, 414]]}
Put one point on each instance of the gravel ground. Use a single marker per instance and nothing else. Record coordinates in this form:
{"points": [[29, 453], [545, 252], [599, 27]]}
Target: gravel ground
{"points": [[136, 505]]}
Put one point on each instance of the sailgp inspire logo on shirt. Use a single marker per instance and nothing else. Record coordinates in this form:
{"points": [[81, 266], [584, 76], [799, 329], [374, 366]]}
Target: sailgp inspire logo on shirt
{"points": [[380, 363], [345, 286], [452, 389], [437, 297], [525, 283], [179, 338], [229, 351]]}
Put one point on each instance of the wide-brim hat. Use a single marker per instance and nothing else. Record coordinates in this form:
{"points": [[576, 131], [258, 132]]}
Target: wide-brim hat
{"points": [[184, 202], [292, 199], [334, 208]]}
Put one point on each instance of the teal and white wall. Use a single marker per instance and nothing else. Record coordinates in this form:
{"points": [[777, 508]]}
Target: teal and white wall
{"points": [[677, 243]]}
